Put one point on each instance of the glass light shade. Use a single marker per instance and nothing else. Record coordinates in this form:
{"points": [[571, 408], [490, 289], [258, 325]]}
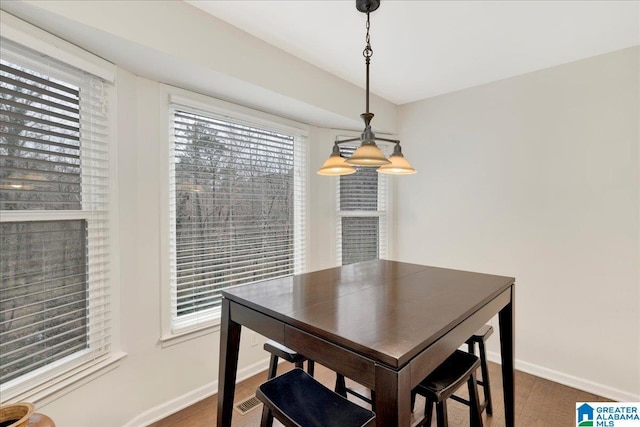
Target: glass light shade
{"points": [[335, 165], [368, 155], [399, 166]]}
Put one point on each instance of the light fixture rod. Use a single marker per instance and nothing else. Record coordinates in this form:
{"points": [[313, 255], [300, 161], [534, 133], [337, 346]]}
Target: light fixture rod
{"points": [[348, 140], [368, 53], [367, 61], [395, 141]]}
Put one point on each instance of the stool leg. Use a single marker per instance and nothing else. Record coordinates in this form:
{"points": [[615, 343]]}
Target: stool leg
{"points": [[485, 379], [341, 387], [413, 400], [267, 418], [428, 413], [273, 366], [373, 401], [475, 414], [441, 414], [310, 367]]}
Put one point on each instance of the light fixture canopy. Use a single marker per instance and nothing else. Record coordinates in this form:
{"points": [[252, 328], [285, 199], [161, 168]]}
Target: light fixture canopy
{"points": [[368, 153]]}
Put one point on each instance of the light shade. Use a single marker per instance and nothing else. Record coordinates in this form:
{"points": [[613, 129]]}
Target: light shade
{"points": [[399, 166], [368, 154], [335, 165]]}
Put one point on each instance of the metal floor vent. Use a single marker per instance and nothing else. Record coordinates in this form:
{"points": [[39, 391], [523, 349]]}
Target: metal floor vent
{"points": [[247, 405]]}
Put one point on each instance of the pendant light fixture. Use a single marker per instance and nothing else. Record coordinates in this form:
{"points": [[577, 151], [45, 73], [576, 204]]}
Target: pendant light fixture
{"points": [[368, 154]]}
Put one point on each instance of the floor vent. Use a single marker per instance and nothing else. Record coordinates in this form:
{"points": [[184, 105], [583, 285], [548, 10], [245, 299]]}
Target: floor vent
{"points": [[247, 405]]}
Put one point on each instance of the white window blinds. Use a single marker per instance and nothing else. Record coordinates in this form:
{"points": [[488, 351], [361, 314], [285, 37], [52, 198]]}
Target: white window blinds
{"points": [[54, 195], [361, 222], [236, 209]]}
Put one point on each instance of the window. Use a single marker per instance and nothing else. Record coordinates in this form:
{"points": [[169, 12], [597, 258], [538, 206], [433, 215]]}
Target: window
{"points": [[236, 209], [54, 228], [362, 201]]}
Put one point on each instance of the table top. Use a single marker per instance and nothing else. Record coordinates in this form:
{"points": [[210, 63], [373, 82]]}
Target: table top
{"points": [[386, 310]]}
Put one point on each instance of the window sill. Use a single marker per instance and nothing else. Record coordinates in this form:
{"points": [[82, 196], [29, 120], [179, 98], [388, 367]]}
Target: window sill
{"points": [[186, 334], [50, 390]]}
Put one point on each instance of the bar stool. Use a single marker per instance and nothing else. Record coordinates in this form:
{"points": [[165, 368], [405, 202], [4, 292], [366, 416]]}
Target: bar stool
{"points": [[279, 351], [439, 385], [296, 399], [479, 338]]}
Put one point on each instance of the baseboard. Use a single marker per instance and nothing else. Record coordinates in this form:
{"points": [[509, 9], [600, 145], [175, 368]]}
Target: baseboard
{"points": [[164, 410], [569, 380]]}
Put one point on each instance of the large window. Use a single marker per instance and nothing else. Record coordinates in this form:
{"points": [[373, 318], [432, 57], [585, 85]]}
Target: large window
{"points": [[362, 201], [236, 209], [54, 229]]}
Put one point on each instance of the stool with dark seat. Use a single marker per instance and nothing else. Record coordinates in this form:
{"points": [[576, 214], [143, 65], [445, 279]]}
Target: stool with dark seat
{"points": [[279, 351], [439, 385], [479, 338], [296, 399]]}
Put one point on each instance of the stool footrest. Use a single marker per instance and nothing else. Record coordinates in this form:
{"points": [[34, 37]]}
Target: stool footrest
{"points": [[359, 395], [459, 399]]}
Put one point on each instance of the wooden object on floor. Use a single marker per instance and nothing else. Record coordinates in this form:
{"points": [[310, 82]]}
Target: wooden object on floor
{"points": [[296, 399], [22, 415], [439, 385]]}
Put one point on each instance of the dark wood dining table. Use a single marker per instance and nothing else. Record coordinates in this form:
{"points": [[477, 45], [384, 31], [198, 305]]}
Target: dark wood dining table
{"points": [[384, 324]]}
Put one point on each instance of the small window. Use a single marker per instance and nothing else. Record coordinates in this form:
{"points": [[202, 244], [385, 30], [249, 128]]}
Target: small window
{"points": [[362, 200]]}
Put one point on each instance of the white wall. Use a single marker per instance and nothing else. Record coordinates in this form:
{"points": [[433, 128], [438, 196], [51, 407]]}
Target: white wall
{"points": [[537, 177]]}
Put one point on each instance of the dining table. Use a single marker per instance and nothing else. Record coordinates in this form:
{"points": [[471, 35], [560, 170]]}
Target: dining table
{"points": [[383, 324]]}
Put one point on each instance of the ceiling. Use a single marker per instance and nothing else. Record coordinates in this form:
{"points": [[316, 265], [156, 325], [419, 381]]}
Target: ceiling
{"points": [[427, 48]]}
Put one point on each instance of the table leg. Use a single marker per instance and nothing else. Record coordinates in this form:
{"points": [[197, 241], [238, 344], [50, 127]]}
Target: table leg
{"points": [[228, 366], [392, 397], [506, 318]]}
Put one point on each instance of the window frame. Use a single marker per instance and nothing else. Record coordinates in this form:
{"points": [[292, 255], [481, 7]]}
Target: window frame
{"points": [[171, 96], [73, 371]]}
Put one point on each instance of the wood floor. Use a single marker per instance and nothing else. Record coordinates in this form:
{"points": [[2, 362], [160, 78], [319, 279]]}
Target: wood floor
{"points": [[539, 403]]}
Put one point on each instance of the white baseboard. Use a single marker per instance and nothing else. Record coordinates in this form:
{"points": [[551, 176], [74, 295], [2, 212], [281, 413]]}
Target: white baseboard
{"points": [[164, 410], [569, 380]]}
